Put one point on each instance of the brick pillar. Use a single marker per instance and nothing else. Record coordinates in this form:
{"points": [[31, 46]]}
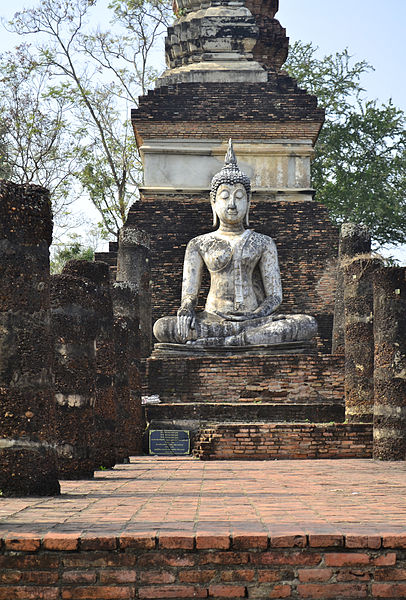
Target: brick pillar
{"points": [[105, 396], [27, 410], [359, 337], [133, 266], [74, 326], [354, 240], [390, 363], [130, 424]]}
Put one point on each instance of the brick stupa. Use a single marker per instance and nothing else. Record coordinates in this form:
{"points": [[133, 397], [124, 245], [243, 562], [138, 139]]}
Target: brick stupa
{"points": [[224, 79]]}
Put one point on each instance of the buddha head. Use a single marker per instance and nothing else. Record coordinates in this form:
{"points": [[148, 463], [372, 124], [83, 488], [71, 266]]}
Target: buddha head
{"points": [[230, 186]]}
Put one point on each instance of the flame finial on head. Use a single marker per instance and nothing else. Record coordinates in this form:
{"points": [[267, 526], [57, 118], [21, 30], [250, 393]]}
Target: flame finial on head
{"points": [[230, 174], [230, 158]]}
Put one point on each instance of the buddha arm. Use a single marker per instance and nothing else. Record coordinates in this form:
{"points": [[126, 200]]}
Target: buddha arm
{"points": [[192, 275], [271, 279]]}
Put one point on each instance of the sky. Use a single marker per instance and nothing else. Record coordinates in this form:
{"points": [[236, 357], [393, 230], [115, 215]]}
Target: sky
{"points": [[371, 29]]}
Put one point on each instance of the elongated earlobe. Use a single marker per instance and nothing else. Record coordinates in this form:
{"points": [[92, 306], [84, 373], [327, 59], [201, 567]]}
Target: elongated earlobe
{"points": [[215, 217], [247, 214]]}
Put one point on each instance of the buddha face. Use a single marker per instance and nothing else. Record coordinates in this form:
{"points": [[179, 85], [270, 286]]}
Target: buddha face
{"points": [[231, 203]]}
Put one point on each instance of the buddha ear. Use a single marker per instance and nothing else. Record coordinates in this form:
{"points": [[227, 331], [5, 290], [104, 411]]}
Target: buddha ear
{"points": [[215, 216], [247, 214]]}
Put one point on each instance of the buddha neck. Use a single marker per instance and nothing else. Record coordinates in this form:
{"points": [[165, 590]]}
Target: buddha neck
{"points": [[235, 229]]}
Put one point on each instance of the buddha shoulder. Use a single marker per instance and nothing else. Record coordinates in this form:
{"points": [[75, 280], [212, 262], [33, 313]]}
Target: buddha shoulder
{"points": [[205, 243], [209, 242], [262, 242]]}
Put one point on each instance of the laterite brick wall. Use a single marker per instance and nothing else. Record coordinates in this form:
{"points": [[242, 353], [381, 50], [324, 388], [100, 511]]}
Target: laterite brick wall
{"points": [[289, 378], [270, 441], [276, 109], [203, 566], [304, 235]]}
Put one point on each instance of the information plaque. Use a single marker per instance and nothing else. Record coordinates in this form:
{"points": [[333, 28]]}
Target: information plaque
{"points": [[169, 442]]}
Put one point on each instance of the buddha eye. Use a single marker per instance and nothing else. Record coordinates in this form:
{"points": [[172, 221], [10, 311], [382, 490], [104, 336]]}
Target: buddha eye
{"points": [[239, 194], [224, 194]]}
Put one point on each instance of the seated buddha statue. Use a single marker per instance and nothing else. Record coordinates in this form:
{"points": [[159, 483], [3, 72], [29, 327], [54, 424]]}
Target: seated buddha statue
{"points": [[245, 284]]}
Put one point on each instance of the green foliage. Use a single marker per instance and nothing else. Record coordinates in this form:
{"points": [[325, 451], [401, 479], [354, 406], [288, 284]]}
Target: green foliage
{"points": [[99, 75], [5, 169], [66, 252], [359, 169], [34, 133]]}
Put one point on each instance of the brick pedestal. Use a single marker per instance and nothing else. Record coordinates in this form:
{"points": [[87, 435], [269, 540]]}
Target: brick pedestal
{"points": [[284, 379]]}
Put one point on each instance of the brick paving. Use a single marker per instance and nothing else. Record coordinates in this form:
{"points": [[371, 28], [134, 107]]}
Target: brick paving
{"points": [[163, 497]]}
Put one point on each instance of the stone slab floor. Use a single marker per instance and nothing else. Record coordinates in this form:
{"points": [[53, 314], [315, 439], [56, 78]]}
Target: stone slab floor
{"points": [[169, 496]]}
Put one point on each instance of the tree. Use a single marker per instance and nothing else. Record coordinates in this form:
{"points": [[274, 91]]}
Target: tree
{"points": [[359, 169], [75, 246], [34, 133], [100, 74], [72, 250], [5, 170]]}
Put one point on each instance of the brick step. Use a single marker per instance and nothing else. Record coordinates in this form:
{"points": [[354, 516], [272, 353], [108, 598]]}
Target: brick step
{"points": [[276, 441], [192, 415]]}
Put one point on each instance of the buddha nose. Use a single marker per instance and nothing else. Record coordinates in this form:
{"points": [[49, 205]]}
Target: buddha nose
{"points": [[231, 203]]}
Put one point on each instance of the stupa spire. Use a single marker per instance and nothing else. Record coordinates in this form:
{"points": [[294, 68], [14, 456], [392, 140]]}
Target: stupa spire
{"points": [[224, 41]]}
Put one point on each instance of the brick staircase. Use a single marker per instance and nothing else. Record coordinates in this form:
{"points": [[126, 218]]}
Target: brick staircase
{"points": [[198, 416]]}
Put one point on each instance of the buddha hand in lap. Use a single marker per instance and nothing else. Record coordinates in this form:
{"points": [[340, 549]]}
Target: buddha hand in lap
{"points": [[245, 285]]}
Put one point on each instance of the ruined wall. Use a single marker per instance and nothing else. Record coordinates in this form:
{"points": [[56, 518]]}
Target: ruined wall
{"points": [[130, 424], [74, 327], [105, 402], [354, 240], [390, 363], [290, 441], [359, 337], [133, 267], [27, 415]]}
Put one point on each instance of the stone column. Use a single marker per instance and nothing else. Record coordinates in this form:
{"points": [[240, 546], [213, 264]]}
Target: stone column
{"points": [[354, 240], [74, 325], [27, 410], [130, 424], [359, 337], [105, 397], [390, 363], [133, 266]]}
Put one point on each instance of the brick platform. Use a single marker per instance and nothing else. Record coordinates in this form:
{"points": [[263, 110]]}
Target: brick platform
{"points": [[180, 528], [287, 379]]}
